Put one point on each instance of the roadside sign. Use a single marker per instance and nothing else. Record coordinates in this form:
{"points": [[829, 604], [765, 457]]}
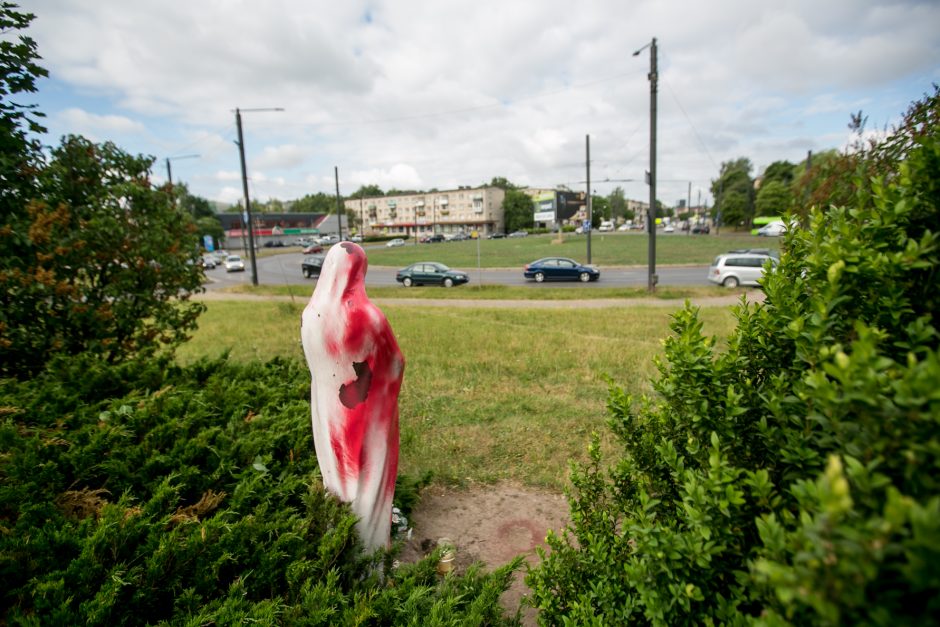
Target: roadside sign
{"points": [[208, 243]]}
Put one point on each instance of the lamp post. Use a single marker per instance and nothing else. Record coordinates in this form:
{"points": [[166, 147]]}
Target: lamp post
{"points": [[169, 172], [651, 219], [241, 153]]}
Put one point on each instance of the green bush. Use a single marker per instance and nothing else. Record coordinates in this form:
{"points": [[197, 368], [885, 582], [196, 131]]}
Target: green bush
{"points": [[138, 494], [793, 477]]}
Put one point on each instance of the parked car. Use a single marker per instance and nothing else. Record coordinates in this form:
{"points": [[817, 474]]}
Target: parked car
{"points": [[312, 265], [430, 273], [519, 234], [496, 235], [774, 229], [700, 228], [461, 236], [560, 269], [766, 252], [669, 229], [606, 226], [328, 240], [623, 227], [312, 249], [357, 239], [234, 263], [436, 238], [274, 244], [734, 269], [393, 243]]}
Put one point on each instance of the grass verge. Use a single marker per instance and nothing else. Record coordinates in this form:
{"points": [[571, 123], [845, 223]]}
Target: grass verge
{"points": [[488, 395], [500, 292]]}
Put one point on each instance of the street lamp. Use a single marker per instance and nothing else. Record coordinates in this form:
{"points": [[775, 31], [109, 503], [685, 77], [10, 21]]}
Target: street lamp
{"points": [[651, 214], [241, 153], [169, 172]]}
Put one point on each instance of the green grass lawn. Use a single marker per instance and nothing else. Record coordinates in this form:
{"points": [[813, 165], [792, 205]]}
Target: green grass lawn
{"points": [[501, 292], [607, 249], [488, 394]]}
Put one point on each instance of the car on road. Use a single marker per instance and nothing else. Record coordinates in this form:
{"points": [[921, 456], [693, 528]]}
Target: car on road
{"points": [[766, 252], [393, 243], [774, 229], [606, 226], [430, 273], [560, 269], [312, 249], [519, 234], [209, 262], [669, 229], [234, 263], [312, 265], [700, 229], [734, 269]]}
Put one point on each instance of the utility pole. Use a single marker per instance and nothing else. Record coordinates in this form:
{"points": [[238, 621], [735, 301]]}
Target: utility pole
{"points": [[339, 213], [169, 172], [247, 216], [652, 279], [590, 216], [688, 210]]}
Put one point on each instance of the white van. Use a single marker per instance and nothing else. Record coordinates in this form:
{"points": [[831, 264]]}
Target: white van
{"points": [[732, 270]]}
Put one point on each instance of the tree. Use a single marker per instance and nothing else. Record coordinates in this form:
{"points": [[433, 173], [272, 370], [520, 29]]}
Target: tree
{"points": [[518, 211], [314, 203], [618, 203], [367, 191], [782, 171], [784, 479], [502, 183], [20, 156], [773, 199], [600, 210], [733, 191], [101, 262]]}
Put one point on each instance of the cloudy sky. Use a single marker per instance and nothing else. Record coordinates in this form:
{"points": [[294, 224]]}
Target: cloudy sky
{"points": [[440, 93]]}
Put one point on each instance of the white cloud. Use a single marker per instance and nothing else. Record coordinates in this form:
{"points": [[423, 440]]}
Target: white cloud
{"points": [[412, 94], [285, 156], [97, 126]]}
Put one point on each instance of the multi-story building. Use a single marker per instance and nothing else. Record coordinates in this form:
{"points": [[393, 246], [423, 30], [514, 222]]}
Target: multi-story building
{"points": [[465, 210]]}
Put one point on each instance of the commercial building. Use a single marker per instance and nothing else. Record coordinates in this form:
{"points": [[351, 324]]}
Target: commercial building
{"points": [[464, 210], [269, 227], [554, 207]]}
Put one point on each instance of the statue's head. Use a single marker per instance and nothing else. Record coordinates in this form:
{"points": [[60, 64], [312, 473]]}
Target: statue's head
{"points": [[344, 269]]}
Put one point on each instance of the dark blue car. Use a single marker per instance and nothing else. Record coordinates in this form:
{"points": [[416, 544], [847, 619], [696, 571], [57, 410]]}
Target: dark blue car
{"points": [[560, 269]]}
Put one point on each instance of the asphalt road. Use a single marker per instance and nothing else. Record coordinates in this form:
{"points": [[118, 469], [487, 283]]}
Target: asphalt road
{"points": [[285, 270]]}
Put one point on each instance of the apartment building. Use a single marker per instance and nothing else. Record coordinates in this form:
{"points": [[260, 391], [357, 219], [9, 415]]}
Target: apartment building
{"points": [[464, 210]]}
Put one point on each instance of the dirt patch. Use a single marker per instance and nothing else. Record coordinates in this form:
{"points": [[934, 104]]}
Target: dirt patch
{"points": [[491, 524]]}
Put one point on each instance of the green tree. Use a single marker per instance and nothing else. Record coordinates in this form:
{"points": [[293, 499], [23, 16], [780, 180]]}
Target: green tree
{"points": [[600, 210], [790, 477], [773, 199], [502, 182], [314, 203], [367, 191], [618, 203], [782, 171], [101, 262], [518, 212], [20, 155], [733, 191]]}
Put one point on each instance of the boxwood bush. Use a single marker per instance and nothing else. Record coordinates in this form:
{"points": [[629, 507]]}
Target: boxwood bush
{"points": [[151, 495], [793, 476]]}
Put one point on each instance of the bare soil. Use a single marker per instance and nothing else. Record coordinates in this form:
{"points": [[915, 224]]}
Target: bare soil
{"points": [[488, 524]]}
